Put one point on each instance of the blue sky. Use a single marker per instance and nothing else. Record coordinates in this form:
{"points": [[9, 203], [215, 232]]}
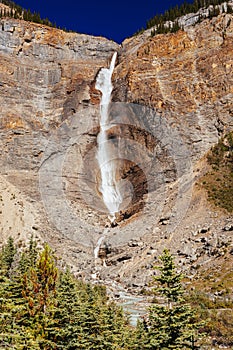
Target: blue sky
{"points": [[115, 20]]}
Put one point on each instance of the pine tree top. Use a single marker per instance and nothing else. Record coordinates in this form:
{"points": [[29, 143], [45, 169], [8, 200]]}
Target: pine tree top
{"points": [[168, 282]]}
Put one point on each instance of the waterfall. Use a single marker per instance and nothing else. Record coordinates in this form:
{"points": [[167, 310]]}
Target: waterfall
{"points": [[109, 187], [95, 274], [97, 248]]}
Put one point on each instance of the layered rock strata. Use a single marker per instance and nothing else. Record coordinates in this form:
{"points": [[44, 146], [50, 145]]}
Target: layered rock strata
{"points": [[172, 100]]}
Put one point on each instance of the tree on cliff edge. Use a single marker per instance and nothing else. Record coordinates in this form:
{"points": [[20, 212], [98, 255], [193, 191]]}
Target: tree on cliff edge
{"points": [[171, 323]]}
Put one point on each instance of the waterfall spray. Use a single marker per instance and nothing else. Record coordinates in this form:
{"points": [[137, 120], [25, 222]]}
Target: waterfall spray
{"points": [[109, 186]]}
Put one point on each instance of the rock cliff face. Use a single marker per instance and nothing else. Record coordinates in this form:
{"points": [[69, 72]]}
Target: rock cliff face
{"points": [[46, 76], [172, 100], [187, 75]]}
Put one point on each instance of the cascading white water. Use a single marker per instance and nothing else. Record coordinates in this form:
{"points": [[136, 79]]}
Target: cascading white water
{"points": [[97, 248], [109, 187]]}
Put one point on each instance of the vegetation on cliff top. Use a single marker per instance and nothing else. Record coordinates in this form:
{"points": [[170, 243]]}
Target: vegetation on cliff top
{"points": [[16, 11], [162, 23], [168, 21]]}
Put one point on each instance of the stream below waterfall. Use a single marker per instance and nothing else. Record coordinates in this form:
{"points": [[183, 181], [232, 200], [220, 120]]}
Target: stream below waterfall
{"points": [[134, 305]]}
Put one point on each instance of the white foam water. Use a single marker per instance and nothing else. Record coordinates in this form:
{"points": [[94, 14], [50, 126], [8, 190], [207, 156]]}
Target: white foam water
{"points": [[106, 159], [97, 248]]}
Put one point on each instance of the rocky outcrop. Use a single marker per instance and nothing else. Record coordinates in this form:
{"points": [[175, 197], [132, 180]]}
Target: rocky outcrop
{"points": [[172, 100], [47, 76], [185, 76]]}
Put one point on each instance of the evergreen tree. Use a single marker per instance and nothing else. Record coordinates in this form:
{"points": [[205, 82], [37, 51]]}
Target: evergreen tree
{"points": [[12, 305], [66, 329], [152, 33], [171, 322], [175, 27], [115, 329], [36, 17], [8, 254], [141, 337], [174, 13], [28, 257], [39, 289], [41, 309]]}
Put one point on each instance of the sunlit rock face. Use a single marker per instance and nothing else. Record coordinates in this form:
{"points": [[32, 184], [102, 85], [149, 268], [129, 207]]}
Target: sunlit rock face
{"points": [[47, 75], [187, 75], [47, 79], [171, 101]]}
